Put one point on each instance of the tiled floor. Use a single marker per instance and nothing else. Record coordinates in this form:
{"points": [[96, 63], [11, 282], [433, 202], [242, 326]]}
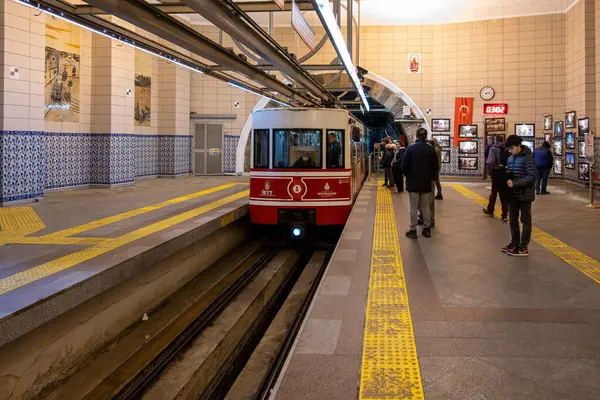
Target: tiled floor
{"points": [[486, 326]]}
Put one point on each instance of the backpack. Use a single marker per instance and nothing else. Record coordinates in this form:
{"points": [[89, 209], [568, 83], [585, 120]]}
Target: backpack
{"points": [[504, 155]]}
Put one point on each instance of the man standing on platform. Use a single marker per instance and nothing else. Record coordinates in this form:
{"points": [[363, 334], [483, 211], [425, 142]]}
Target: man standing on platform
{"points": [[438, 185], [522, 172], [420, 166], [496, 165], [544, 161]]}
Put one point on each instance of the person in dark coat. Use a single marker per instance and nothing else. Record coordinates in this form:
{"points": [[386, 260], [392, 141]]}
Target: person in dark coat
{"points": [[334, 151], [522, 172], [420, 166], [389, 153], [544, 160], [398, 175], [496, 166]]}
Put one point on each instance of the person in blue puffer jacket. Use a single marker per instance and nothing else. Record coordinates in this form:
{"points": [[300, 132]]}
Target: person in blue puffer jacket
{"points": [[522, 172], [544, 160]]}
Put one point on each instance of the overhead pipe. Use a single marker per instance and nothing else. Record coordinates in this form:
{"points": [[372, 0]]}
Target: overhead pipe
{"points": [[246, 31], [144, 16]]}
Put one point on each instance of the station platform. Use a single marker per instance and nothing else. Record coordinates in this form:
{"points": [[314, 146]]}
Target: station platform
{"points": [[73, 245], [452, 317]]}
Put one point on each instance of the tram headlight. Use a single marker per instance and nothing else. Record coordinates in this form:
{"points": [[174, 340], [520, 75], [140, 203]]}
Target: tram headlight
{"points": [[297, 232]]}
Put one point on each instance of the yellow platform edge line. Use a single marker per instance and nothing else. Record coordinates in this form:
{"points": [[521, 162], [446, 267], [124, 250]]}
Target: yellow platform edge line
{"points": [[133, 213], [583, 263], [390, 366], [31, 275]]}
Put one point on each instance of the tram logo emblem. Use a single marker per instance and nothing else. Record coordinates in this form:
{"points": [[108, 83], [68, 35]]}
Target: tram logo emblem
{"points": [[297, 189], [326, 192], [267, 190]]}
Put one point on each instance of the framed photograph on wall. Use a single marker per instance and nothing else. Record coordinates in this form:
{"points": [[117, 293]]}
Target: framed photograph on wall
{"points": [[557, 166], [467, 147], [583, 171], [525, 130], [558, 129], [528, 143], [584, 126], [445, 156], [440, 124], [467, 163], [581, 147], [443, 140], [495, 124], [569, 160], [548, 137], [467, 131], [547, 122], [570, 140], [558, 147], [570, 119]]}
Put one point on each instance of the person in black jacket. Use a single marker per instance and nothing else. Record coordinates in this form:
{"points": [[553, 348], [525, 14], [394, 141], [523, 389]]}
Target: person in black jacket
{"points": [[398, 176], [496, 166], [522, 171], [420, 166], [389, 152], [544, 160]]}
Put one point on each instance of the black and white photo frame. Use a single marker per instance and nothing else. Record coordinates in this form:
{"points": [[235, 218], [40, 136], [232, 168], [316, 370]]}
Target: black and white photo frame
{"points": [[468, 131], [468, 163], [548, 137], [570, 118], [467, 147], [525, 130], [583, 171], [528, 143], [558, 166], [548, 122], [443, 140], [446, 156], [581, 149], [495, 124], [440, 124], [583, 125], [558, 150]]}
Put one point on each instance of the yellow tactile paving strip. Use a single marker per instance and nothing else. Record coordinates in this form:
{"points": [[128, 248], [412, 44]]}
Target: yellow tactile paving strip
{"points": [[390, 366], [60, 264], [11, 235], [575, 258]]}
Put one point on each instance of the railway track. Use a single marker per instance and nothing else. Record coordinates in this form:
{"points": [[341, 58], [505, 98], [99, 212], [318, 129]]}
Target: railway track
{"points": [[223, 335]]}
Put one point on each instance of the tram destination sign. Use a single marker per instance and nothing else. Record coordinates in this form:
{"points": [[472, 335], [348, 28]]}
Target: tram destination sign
{"points": [[495, 109], [302, 27]]}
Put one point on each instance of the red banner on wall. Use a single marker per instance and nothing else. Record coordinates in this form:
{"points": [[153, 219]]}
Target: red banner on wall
{"points": [[463, 114]]}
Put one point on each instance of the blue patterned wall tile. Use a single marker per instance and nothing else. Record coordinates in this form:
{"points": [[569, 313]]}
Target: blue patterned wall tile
{"points": [[230, 144], [22, 160]]}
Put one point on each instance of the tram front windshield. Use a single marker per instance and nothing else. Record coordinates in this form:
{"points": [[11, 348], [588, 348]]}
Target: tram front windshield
{"points": [[297, 148]]}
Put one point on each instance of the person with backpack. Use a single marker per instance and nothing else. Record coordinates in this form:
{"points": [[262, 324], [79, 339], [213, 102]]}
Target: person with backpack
{"points": [[496, 165], [398, 175], [521, 180], [544, 160]]}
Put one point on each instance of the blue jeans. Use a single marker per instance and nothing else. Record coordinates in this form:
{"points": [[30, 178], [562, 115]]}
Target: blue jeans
{"points": [[542, 175]]}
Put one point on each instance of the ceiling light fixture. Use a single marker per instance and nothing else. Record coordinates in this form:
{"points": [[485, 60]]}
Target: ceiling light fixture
{"points": [[325, 13]]}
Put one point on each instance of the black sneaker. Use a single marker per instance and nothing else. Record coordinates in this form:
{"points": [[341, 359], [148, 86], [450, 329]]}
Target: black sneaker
{"points": [[439, 197], [523, 252], [427, 232], [420, 222], [545, 193], [518, 252], [505, 219], [508, 248], [432, 225], [486, 212], [411, 234]]}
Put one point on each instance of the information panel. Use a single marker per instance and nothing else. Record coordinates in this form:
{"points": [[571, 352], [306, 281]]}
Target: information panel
{"points": [[496, 109]]}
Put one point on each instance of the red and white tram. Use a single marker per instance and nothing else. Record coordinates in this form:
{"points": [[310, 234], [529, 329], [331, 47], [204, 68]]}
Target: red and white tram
{"points": [[307, 166]]}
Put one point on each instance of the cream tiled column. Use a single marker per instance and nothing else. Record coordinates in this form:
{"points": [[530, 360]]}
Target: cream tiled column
{"points": [[112, 112], [22, 103], [174, 121]]}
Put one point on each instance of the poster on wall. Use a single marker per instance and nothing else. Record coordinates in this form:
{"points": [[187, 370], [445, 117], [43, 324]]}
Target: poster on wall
{"points": [[440, 124], [570, 160], [581, 149], [142, 114], [467, 163], [557, 166], [558, 129], [570, 140], [443, 140], [445, 156], [414, 63], [570, 119], [495, 124], [62, 71], [547, 122], [584, 172], [525, 130], [584, 126]]}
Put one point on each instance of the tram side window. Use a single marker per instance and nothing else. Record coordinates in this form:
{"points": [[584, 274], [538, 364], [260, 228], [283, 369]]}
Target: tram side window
{"points": [[261, 148], [297, 148], [335, 149]]}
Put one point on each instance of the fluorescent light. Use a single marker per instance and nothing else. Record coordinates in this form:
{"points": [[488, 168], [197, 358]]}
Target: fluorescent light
{"points": [[235, 85], [60, 15], [328, 19]]}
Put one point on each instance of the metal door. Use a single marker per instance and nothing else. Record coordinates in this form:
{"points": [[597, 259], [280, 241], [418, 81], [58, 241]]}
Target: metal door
{"points": [[208, 149]]}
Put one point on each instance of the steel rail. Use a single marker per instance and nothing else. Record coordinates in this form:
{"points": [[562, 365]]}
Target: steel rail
{"points": [[226, 15], [144, 16]]}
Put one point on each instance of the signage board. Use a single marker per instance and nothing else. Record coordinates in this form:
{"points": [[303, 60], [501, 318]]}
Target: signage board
{"points": [[497, 109], [405, 110], [589, 147], [414, 63], [214, 151], [302, 27], [280, 4]]}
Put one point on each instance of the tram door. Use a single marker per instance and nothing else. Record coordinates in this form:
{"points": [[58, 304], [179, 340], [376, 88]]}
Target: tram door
{"points": [[208, 149]]}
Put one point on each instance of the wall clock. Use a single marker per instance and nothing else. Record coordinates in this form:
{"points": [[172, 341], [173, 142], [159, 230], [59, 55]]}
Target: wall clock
{"points": [[487, 93]]}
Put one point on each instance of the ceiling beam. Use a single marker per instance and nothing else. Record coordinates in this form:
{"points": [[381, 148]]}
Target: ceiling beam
{"points": [[180, 8], [308, 67]]}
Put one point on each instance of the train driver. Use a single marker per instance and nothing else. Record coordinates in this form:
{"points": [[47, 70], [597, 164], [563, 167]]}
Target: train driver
{"points": [[305, 161], [334, 151]]}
